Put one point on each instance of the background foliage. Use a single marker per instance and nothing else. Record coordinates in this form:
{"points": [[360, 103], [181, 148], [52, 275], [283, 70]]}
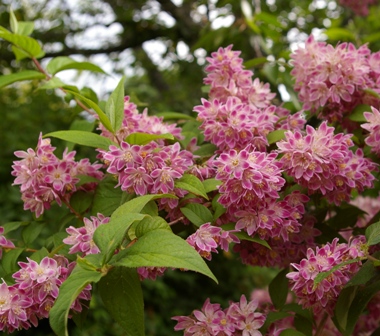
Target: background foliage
{"points": [[161, 46]]}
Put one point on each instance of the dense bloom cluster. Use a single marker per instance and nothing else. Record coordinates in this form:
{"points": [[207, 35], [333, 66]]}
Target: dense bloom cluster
{"points": [[135, 122], [82, 238], [332, 81], [147, 169], [34, 293], [323, 296], [240, 318], [44, 178], [208, 238], [282, 252], [248, 176], [238, 112], [373, 127], [359, 7], [322, 161], [4, 242]]}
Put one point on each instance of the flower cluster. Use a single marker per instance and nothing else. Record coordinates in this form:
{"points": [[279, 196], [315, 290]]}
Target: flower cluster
{"points": [[82, 238], [135, 122], [239, 318], [4, 242], [44, 178], [34, 293], [373, 127], [151, 168], [282, 252], [238, 112], [333, 81], [208, 238], [322, 161], [358, 7], [323, 296]]}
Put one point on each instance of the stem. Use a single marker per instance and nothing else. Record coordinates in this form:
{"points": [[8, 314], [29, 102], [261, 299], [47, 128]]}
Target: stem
{"points": [[176, 221], [77, 214], [48, 77], [321, 325]]}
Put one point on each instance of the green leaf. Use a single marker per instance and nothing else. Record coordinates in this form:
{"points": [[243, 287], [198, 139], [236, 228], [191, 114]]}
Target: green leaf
{"points": [[82, 138], [145, 138], [26, 43], [345, 299], [11, 226], [31, 232], [245, 236], [61, 63], [115, 106], [162, 248], [68, 292], [255, 62], [40, 254], [357, 113], [13, 21], [303, 325], [81, 201], [174, 115], [102, 116], [19, 53], [20, 76], [372, 234], [275, 136], [192, 184], [9, 260], [272, 317], [52, 83], [359, 303], [206, 150], [108, 237], [346, 215], [25, 27], [323, 275], [269, 19], [122, 296], [339, 34], [367, 272], [211, 184], [219, 209], [107, 198], [278, 289], [197, 214], [149, 224]]}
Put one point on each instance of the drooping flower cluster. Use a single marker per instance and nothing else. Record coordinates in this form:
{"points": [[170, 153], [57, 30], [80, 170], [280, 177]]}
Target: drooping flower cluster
{"points": [[282, 252], [323, 296], [34, 293], [208, 238], [147, 169], [373, 127], [82, 238], [240, 318], [4, 242], [322, 161], [44, 178], [332, 81], [135, 122], [358, 7], [238, 112]]}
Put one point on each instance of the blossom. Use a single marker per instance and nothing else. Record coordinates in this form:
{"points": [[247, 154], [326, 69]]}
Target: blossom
{"points": [[323, 296], [373, 127], [4, 242], [44, 178], [82, 238]]}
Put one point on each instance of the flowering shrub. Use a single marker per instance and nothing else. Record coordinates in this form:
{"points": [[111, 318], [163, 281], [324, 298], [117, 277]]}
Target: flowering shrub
{"points": [[254, 178]]}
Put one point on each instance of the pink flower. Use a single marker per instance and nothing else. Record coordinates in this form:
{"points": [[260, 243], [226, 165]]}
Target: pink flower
{"points": [[373, 127], [82, 238]]}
